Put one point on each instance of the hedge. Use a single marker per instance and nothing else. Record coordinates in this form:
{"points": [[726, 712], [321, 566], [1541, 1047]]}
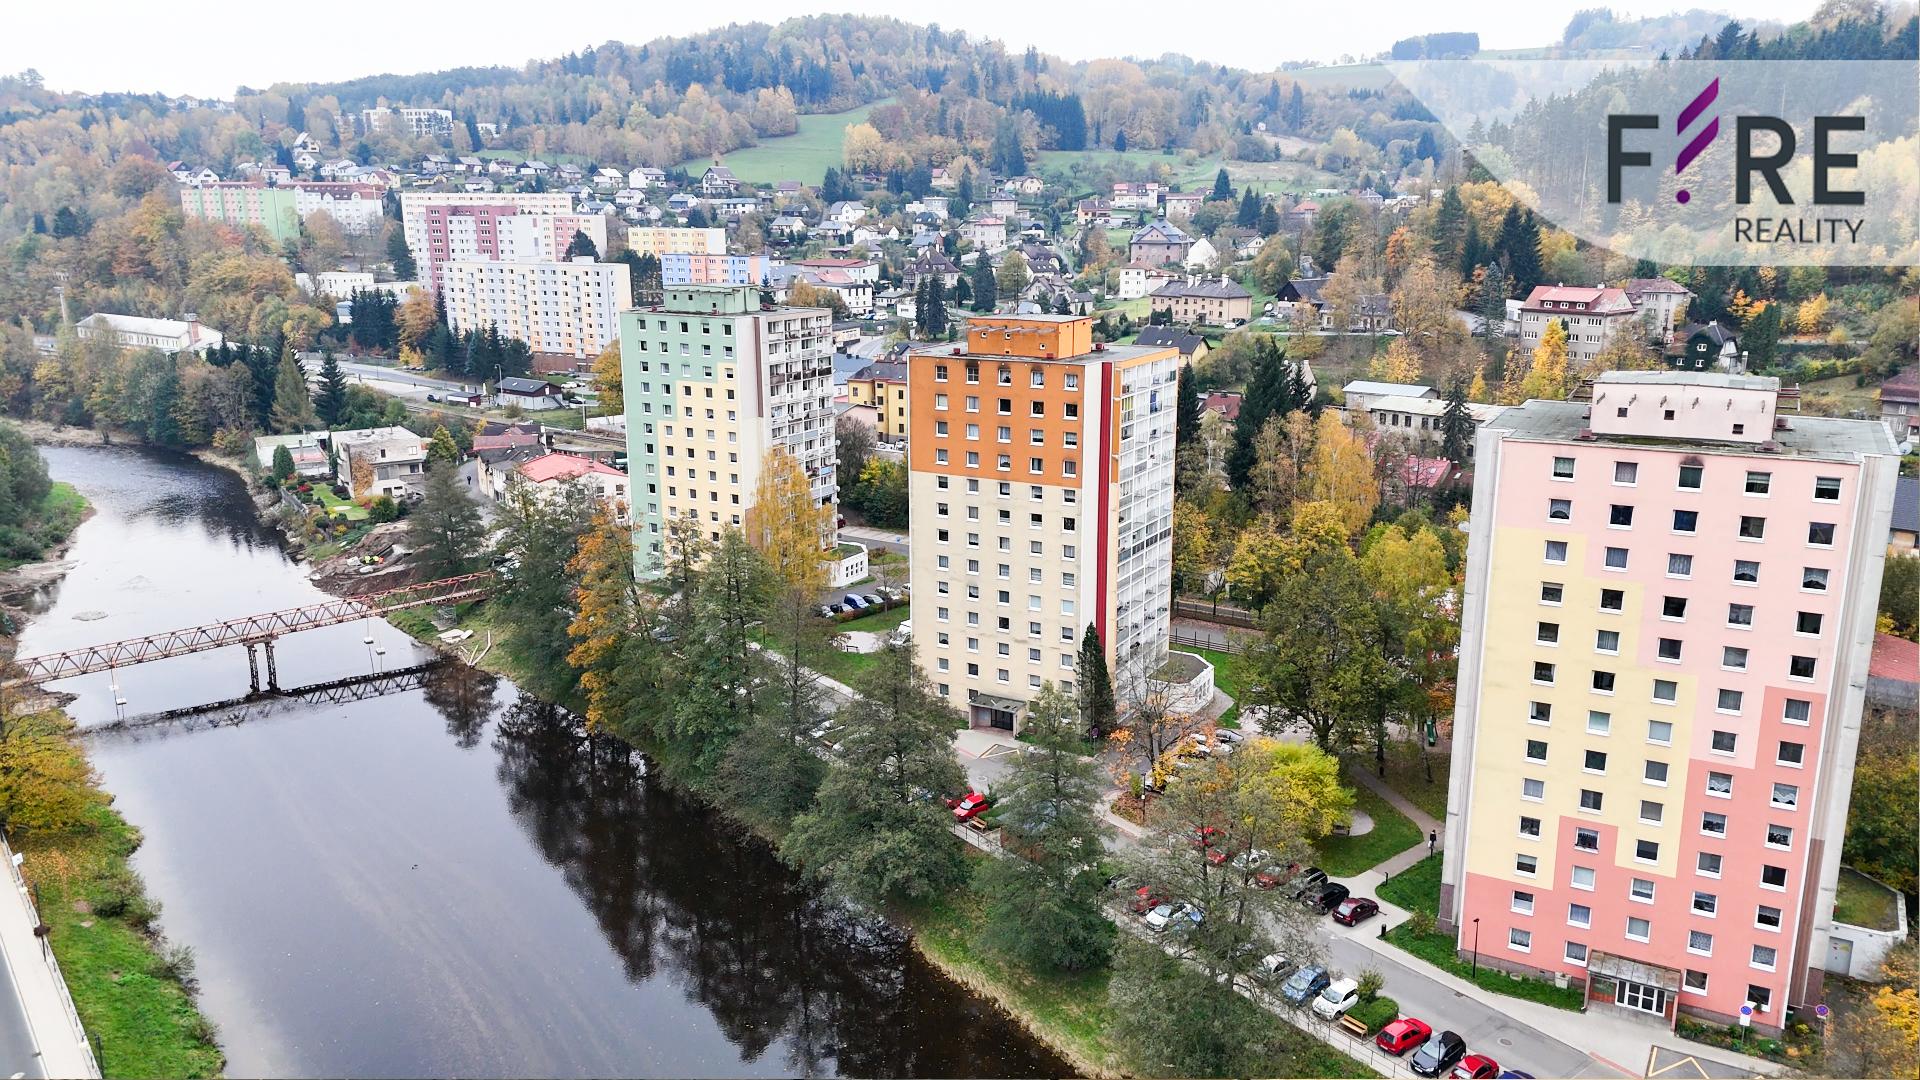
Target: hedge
{"points": [[1376, 1014]]}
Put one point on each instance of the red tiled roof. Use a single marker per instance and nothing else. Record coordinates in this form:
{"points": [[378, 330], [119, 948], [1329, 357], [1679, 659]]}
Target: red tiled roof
{"points": [[1902, 387], [1598, 300], [563, 467], [1894, 658], [1226, 404]]}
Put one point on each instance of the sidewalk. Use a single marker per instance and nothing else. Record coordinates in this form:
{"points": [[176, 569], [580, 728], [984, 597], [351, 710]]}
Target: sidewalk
{"points": [[59, 1043]]}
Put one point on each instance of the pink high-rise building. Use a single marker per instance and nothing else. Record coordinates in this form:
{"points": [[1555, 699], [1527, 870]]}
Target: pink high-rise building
{"points": [[1668, 615]]}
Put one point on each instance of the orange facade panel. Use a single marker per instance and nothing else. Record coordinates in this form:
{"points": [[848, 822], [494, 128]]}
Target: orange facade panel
{"points": [[975, 398], [1045, 338]]}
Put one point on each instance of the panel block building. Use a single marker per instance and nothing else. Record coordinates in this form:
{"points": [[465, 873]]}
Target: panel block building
{"points": [[1667, 621], [1041, 492], [712, 381]]}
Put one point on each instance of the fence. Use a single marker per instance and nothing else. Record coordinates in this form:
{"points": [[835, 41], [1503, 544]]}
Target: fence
{"points": [[987, 840], [1223, 643], [1219, 613], [84, 1045]]}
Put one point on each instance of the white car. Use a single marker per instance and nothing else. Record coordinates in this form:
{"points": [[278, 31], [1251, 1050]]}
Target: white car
{"points": [[1336, 999], [1160, 916]]}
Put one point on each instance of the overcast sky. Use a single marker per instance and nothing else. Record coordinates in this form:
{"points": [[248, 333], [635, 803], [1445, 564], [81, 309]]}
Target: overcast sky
{"points": [[208, 47]]}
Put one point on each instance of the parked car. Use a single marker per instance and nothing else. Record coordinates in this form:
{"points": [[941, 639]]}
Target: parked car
{"points": [[1328, 897], [901, 633], [1403, 1035], [1355, 910], [1336, 999], [970, 807], [1476, 1067], [1438, 1054], [1303, 984], [1203, 836], [1163, 916], [872, 600], [887, 592], [1274, 968], [1515, 1074], [1308, 880], [837, 609], [853, 602], [1146, 898], [825, 611]]}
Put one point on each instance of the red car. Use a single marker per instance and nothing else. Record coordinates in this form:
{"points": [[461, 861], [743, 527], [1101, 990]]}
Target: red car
{"points": [[1203, 836], [1476, 1067], [1355, 910], [1146, 898], [1402, 1035], [970, 807]]}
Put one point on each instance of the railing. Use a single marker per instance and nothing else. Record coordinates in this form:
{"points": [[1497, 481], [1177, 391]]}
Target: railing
{"points": [[1220, 613], [1224, 644], [53, 968]]}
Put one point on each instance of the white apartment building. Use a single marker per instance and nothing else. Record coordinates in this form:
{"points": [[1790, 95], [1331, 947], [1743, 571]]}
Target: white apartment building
{"points": [[1593, 316], [1041, 491], [411, 123], [432, 220], [659, 240], [558, 308], [712, 382]]}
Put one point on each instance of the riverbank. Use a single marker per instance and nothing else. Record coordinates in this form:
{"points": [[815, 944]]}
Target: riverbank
{"points": [[134, 992]]}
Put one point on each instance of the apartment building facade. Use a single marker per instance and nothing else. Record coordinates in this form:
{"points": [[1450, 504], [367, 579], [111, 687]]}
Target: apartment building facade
{"points": [[883, 386], [408, 123], [1593, 317], [712, 382], [689, 268], [1041, 491], [557, 308], [356, 208], [660, 241], [445, 225], [1668, 617], [245, 204]]}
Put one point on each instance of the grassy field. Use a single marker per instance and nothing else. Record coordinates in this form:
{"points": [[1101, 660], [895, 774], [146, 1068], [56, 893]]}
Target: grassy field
{"points": [[1839, 396], [804, 155], [344, 509], [1407, 774], [1265, 176], [1392, 833], [127, 985], [60, 513], [1229, 677], [1417, 888], [848, 666]]}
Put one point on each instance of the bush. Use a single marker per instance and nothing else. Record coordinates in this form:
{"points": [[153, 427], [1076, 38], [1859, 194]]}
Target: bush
{"points": [[340, 491], [1376, 1014], [122, 896], [174, 962], [1371, 982], [382, 508]]}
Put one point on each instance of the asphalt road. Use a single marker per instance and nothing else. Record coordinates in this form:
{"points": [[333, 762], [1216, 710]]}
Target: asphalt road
{"points": [[381, 373], [18, 1054]]}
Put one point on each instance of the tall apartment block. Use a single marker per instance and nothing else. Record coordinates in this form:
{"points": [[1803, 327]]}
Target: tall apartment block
{"points": [[662, 240], [442, 226], [712, 381], [1041, 487], [558, 308], [245, 203], [1668, 614]]}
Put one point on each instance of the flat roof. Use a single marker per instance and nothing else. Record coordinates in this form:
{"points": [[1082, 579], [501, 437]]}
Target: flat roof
{"points": [[1806, 436], [1114, 352], [1716, 379]]}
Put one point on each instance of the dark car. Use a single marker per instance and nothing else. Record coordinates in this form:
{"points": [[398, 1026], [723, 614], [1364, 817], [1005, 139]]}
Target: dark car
{"points": [[1439, 1054], [1307, 881], [1302, 985], [1327, 898], [1355, 910], [1403, 1035]]}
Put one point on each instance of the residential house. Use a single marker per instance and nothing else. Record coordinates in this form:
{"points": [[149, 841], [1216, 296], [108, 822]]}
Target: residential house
{"points": [[1900, 403], [550, 472], [1224, 402], [1191, 346], [1180, 205], [718, 182], [1358, 396], [307, 448], [1132, 284], [1660, 302], [1903, 529], [1003, 205], [645, 178], [1095, 213], [930, 262], [1420, 419], [1026, 185], [532, 395], [882, 385], [1137, 195], [1158, 243], [389, 461], [1706, 347], [1222, 302], [985, 233], [1201, 257]]}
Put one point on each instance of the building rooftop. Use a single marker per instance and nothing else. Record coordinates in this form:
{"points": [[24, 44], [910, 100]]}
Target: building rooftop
{"points": [[1716, 380], [1101, 352], [1804, 436], [1388, 389], [1906, 504], [563, 467]]}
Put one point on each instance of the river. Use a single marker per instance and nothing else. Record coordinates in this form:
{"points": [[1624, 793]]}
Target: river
{"points": [[453, 880]]}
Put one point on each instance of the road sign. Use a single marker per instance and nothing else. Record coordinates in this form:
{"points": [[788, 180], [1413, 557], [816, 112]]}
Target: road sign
{"points": [[1746, 1014], [1821, 1011]]}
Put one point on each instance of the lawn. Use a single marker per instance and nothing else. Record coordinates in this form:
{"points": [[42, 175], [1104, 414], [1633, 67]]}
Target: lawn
{"points": [[1229, 677], [345, 509], [846, 667], [1407, 775], [1839, 396], [1417, 888], [142, 1020], [1861, 901], [1392, 833], [805, 155], [60, 513]]}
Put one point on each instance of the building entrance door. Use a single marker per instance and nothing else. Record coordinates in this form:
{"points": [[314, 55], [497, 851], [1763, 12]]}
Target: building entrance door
{"points": [[1647, 999]]}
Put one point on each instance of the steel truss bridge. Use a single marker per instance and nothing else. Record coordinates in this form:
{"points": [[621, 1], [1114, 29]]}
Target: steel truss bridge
{"points": [[256, 632]]}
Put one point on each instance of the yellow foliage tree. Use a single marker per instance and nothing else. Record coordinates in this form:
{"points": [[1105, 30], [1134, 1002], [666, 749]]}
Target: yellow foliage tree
{"points": [[1813, 313], [1546, 376], [605, 603], [607, 378], [862, 149], [45, 783], [787, 526], [1297, 785], [1398, 363], [1477, 391], [1341, 472], [416, 317]]}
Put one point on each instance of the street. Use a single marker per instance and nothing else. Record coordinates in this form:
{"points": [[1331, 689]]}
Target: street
{"points": [[405, 383]]}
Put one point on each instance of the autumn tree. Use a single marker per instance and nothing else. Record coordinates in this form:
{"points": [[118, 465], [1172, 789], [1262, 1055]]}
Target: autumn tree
{"points": [[1341, 472], [610, 646], [1882, 820], [46, 785], [1882, 1033], [1012, 275], [442, 448], [538, 532], [1318, 664], [1044, 907], [417, 316], [1399, 362], [717, 692], [1544, 376]]}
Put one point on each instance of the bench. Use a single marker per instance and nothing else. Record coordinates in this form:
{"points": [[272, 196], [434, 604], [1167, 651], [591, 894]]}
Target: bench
{"points": [[1355, 1028]]}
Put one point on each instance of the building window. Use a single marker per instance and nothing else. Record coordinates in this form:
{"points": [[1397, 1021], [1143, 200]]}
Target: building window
{"points": [[1813, 579], [1596, 761], [1753, 528], [1700, 942], [1660, 732], [1764, 957], [1599, 723], [1720, 784], [1559, 509], [1708, 865], [1530, 827], [1526, 865], [1582, 878], [1656, 772], [1590, 800], [1686, 521], [1690, 477], [1806, 622], [1521, 940], [1556, 551], [1746, 571], [1543, 672], [1547, 633], [1586, 840], [1761, 997], [1522, 902], [1563, 468], [1724, 742], [1733, 658], [1625, 472], [1797, 711], [1669, 649], [1576, 954], [1758, 483], [1779, 836], [1679, 566], [1673, 607], [1639, 929], [1620, 516], [1826, 488], [1551, 592], [1646, 850], [1533, 790], [1694, 982], [1766, 918], [1713, 824], [1616, 558], [1665, 690], [1579, 915], [1651, 812], [1606, 641], [1790, 753], [1540, 712], [1705, 903], [1729, 701], [1613, 599], [1800, 667], [1740, 615], [1820, 534], [1537, 750]]}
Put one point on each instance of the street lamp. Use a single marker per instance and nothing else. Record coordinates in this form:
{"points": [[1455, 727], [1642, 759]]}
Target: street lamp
{"points": [[1476, 949]]}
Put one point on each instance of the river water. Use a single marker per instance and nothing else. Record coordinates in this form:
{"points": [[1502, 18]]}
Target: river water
{"points": [[452, 880]]}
